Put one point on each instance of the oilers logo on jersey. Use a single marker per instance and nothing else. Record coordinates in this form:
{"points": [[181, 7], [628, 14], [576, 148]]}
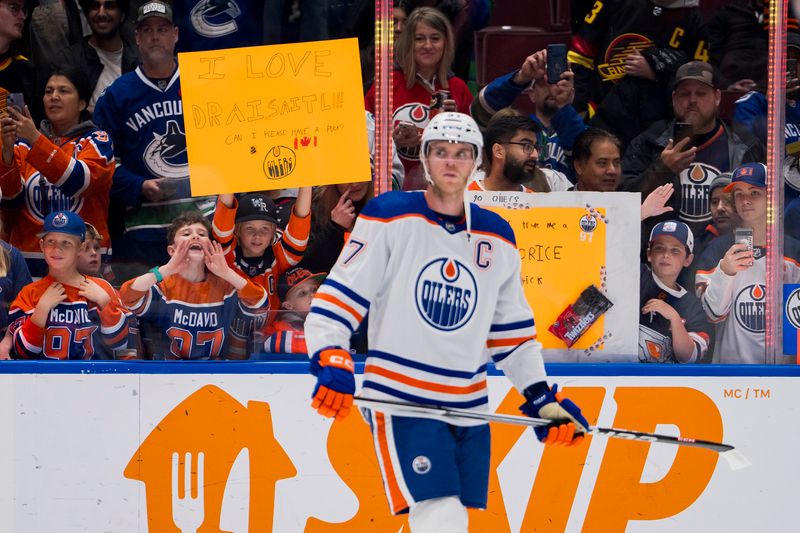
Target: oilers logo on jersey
{"points": [[446, 293], [696, 191], [165, 156], [418, 115], [749, 308], [215, 18], [43, 198]]}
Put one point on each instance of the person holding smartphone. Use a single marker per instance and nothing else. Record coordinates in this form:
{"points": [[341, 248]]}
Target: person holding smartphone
{"points": [[708, 148], [731, 274], [553, 112]]}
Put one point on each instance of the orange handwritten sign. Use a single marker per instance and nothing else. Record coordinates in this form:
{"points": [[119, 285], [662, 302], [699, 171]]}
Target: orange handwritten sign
{"points": [[271, 117]]}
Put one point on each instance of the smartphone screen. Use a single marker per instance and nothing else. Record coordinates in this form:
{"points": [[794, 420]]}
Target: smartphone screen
{"points": [[680, 131], [744, 235], [556, 62], [16, 100]]}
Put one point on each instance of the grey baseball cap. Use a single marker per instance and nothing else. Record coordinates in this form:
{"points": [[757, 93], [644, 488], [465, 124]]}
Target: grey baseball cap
{"points": [[697, 71]]}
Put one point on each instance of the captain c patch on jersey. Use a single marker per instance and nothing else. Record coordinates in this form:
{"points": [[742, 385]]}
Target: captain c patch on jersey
{"points": [[446, 293]]}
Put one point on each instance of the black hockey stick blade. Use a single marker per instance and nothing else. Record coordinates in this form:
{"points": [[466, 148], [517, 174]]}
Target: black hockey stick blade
{"points": [[735, 459]]}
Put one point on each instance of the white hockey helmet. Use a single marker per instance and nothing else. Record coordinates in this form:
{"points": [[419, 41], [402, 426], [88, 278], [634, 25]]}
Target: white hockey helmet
{"points": [[455, 128]]}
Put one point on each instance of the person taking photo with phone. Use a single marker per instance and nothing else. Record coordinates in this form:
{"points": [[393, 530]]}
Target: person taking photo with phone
{"points": [[731, 275], [66, 164], [707, 148]]}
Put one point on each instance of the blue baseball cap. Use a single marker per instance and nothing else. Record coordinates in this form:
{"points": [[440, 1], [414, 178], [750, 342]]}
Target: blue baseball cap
{"points": [[64, 222], [676, 229], [750, 173]]}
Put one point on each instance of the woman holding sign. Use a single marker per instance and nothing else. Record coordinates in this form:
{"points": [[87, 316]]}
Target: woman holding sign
{"points": [[64, 165], [422, 85]]}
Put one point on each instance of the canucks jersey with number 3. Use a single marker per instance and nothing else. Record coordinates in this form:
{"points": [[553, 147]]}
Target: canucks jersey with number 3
{"points": [[612, 29], [441, 305], [194, 316], [76, 328], [736, 304]]}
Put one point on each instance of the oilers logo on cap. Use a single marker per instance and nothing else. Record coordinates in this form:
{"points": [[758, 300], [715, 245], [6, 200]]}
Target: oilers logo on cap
{"points": [[446, 294], [60, 220]]}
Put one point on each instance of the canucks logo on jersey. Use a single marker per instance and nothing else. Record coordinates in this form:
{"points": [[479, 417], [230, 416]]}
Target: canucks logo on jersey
{"points": [[215, 18], [446, 294], [165, 156]]}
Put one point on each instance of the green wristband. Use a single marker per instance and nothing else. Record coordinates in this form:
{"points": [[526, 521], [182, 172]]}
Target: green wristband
{"points": [[157, 274]]}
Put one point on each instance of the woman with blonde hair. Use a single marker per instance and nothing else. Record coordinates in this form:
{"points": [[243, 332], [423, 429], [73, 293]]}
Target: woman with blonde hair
{"points": [[422, 82]]}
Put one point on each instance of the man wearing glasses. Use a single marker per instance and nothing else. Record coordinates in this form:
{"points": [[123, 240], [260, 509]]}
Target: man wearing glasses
{"points": [[511, 153], [17, 74]]}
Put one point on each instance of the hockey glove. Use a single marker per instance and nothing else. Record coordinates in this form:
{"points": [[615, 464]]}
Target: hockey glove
{"points": [[568, 425], [333, 394]]}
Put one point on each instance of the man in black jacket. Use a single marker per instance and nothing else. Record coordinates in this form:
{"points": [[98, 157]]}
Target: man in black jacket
{"points": [[691, 163], [108, 52]]}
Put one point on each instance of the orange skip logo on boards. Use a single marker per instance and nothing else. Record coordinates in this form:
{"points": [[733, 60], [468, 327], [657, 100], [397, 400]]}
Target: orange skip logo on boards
{"points": [[206, 433], [213, 423]]}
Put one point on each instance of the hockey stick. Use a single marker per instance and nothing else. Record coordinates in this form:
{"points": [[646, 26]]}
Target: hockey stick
{"points": [[734, 458]]}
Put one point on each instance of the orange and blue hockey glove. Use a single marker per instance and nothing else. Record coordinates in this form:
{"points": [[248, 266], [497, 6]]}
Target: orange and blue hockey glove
{"points": [[336, 384], [568, 425]]}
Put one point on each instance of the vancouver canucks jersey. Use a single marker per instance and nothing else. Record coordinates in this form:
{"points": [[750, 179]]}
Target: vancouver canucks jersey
{"points": [[615, 28], [216, 24], [145, 121], [442, 304]]}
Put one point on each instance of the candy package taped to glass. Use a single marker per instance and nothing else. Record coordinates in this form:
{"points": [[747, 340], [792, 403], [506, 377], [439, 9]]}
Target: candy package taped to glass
{"points": [[579, 316]]}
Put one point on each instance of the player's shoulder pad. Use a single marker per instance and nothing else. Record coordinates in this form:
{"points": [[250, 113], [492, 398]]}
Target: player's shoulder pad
{"points": [[485, 221], [392, 204]]}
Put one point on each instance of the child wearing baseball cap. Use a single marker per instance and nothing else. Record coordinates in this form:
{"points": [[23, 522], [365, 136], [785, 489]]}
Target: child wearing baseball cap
{"points": [[80, 317], [247, 230], [672, 327], [296, 289]]}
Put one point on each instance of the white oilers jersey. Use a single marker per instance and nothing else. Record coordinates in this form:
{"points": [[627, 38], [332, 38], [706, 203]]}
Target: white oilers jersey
{"points": [[441, 306], [736, 304]]}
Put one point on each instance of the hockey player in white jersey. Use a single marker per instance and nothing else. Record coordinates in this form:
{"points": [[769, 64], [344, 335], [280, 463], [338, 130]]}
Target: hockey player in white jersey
{"points": [[731, 276], [442, 287]]}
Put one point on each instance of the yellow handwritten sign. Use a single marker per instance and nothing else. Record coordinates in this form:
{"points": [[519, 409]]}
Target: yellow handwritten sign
{"points": [[563, 252], [270, 117]]}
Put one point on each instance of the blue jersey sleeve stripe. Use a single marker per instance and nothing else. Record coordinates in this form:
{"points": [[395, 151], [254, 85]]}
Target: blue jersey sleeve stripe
{"points": [[422, 366], [513, 325], [332, 316], [368, 384], [347, 292]]}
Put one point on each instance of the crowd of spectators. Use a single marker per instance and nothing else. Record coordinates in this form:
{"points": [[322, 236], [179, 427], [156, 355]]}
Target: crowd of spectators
{"points": [[98, 219]]}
